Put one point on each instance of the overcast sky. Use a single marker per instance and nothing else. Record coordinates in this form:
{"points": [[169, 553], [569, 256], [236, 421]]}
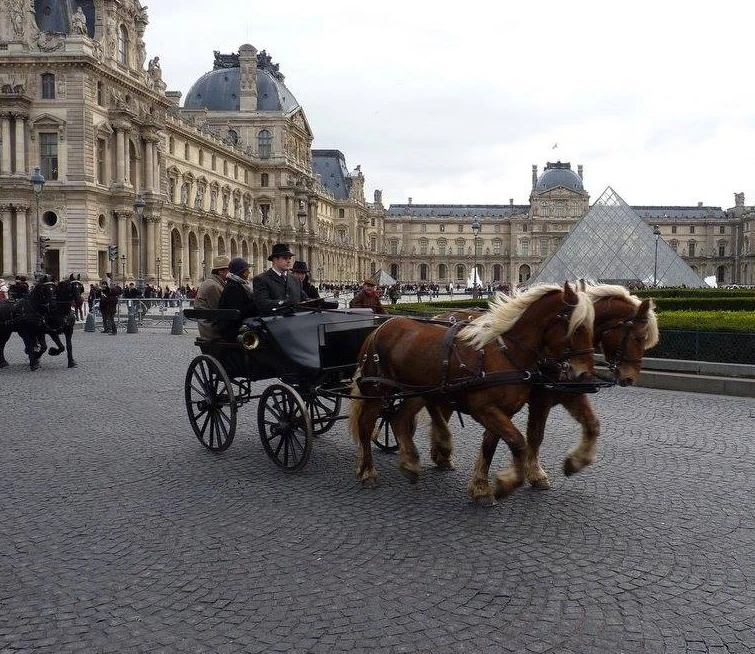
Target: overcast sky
{"points": [[455, 104]]}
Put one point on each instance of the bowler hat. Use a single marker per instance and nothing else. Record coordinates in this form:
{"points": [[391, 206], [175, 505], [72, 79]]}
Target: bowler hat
{"points": [[369, 282], [219, 262], [300, 266], [238, 265], [280, 250]]}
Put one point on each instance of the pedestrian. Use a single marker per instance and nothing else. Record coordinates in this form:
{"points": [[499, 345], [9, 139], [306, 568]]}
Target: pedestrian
{"points": [[275, 288], [368, 297], [3, 290], [208, 296], [78, 295], [109, 294]]}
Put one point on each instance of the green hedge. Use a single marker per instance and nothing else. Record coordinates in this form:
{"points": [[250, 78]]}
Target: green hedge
{"points": [[695, 292], [664, 304]]}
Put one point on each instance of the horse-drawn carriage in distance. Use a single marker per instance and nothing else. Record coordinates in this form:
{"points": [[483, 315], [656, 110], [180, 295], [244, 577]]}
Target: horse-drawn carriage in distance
{"points": [[310, 353]]}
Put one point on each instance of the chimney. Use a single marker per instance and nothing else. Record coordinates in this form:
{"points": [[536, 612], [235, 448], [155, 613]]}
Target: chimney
{"points": [[410, 201], [378, 196], [511, 202], [248, 65], [534, 177], [699, 204], [579, 171], [739, 199]]}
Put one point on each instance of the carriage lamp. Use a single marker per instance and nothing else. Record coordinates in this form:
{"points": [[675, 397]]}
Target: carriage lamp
{"points": [[657, 233], [476, 229], [139, 205], [37, 182]]}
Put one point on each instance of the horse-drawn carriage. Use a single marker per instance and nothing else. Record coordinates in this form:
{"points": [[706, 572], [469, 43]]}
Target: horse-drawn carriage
{"points": [[311, 354]]}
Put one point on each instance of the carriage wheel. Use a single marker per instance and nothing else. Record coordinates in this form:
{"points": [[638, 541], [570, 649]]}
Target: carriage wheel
{"points": [[210, 403], [383, 436], [285, 427], [323, 411]]}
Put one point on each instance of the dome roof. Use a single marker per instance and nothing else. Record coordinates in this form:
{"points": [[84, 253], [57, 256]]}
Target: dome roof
{"points": [[558, 174], [220, 90]]}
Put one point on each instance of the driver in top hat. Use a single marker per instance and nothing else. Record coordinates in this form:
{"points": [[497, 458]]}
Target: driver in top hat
{"points": [[278, 288]]}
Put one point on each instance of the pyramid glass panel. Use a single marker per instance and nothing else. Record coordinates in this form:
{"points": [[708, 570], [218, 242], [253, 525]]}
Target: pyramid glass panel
{"points": [[612, 243]]}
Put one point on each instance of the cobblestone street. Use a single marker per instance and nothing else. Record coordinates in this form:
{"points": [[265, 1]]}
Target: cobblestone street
{"points": [[120, 533]]}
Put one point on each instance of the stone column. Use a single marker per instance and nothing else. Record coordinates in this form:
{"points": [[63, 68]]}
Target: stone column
{"points": [[149, 175], [5, 161], [151, 230], [120, 170], [127, 159], [123, 240], [7, 243], [22, 244], [185, 253], [20, 146]]}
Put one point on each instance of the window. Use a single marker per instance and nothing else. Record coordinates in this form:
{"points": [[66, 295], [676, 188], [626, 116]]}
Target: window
{"points": [[460, 273], [674, 246], [123, 46], [722, 249], [48, 155], [524, 247], [544, 249], [691, 229], [225, 168], [496, 248], [460, 248], [187, 152], [100, 94], [172, 145], [722, 230], [264, 179], [442, 248], [423, 228], [265, 213], [341, 213], [423, 247], [373, 243], [101, 154], [496, 229], [48, 86], [673, 229], [561, 210], [201, 157], [264, 143], [460, 228], [442, 228], [478, 247], [394, 247], [691, 249], [524, 227], [235, 171], [372, 221]]}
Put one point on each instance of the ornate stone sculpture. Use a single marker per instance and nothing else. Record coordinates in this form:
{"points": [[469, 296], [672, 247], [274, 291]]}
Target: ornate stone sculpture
{"points": [[154, 70], [79, 22]]}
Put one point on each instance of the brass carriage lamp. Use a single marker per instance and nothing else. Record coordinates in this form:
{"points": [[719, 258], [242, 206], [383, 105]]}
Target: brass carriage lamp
{"points": [[37, 181], [139, 205]]}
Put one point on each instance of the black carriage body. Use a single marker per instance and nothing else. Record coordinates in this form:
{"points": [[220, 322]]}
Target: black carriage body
{"points": [[302, 349]]}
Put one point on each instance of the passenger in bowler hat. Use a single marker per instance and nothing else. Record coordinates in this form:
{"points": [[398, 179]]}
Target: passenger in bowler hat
{"points": [[208, 295], [302, 272], [277, 288]]}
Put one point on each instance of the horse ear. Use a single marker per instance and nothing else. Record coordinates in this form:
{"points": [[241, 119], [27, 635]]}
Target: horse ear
{"points": [[569, 293], [582, 285], [645, 306]]}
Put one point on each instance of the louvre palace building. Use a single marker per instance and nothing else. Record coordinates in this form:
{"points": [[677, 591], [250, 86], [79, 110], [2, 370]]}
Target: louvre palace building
{"points": [[149, 188]]}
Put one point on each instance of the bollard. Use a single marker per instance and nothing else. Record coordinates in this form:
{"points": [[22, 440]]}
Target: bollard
{"points": [[89, 324], [178, 323], [131, 327]]}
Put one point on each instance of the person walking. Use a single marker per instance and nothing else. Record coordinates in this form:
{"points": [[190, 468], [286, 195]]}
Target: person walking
{"points": [[275, 288], [208, 296]]}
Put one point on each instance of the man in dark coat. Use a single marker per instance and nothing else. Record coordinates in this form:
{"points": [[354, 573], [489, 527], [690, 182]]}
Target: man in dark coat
{"points": [[277, 288], [108, 306]]}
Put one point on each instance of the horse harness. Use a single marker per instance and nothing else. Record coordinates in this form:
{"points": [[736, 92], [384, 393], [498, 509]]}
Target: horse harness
{"points": [[626, 325]]}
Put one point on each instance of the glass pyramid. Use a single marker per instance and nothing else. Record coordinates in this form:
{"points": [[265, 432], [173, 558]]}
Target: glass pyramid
{"points": [[612, 244]]}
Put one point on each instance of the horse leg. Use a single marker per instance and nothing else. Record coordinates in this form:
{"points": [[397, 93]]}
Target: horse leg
{"points": [[59, 347], [441, 439], [498, 425], [479, 487], [362, 419], [31, 344], [586, 451], [69, 337], [540, 403], [403, 424]]}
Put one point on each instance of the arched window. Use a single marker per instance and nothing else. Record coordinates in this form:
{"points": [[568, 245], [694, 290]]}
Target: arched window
{"points": [[461, 273], [497, 272], [264, 179], [48, 86], [123, 45], [264, 141], [423, 272], [722, 248], [721, 274], [691, 248], [442, 271], [524, 273]]}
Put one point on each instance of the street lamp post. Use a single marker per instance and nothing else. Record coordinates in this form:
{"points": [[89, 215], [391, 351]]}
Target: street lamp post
{"points": [[123, 269], [476, 228], [139, 204], [158, 272], [37, 184], [657, 232], [204, 269], [180, 271]]}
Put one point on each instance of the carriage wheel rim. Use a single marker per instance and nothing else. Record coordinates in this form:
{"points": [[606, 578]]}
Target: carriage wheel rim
{"points": [[210, 403], [285, 427]]}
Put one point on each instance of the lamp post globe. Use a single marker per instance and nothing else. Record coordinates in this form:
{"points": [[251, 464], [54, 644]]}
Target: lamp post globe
{"points": [[37, 182]]}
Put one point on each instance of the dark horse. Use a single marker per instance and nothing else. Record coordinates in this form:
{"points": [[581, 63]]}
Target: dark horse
{"points": [[46, 312]]}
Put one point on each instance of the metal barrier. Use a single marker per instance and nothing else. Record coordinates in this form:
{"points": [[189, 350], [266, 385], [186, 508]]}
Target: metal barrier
{"points": [[696, 345]]}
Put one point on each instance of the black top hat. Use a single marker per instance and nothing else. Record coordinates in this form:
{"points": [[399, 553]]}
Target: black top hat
{"points": [[280, 250], [300, 266]]}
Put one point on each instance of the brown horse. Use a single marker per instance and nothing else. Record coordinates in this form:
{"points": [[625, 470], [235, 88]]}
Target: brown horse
{"points": [[484, 370], [624, 328]]}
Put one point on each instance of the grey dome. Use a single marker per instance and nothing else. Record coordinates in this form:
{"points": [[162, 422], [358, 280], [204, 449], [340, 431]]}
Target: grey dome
{"points": [[219, 90], [558, 174]]}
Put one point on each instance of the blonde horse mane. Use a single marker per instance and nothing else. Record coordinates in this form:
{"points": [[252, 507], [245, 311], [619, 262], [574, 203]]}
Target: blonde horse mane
{"points": [[600, 291], [505, 310]]}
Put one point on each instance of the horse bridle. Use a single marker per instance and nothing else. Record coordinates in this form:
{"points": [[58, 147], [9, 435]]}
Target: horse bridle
{"points": [[619, 356]]}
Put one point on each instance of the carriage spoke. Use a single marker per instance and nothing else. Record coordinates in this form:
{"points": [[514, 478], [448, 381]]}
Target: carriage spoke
{"points": [[284, 426], [210, 401]]}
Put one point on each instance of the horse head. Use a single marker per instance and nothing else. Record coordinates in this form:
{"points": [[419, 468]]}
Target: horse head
{"points": [[625, 327]]}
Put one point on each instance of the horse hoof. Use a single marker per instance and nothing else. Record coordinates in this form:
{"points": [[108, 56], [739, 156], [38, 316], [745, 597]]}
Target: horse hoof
{"points": [[570, 468], [412, 476], [34, 366], [541, 484], [445, 465], [3, 364], [53, 351], [72, 364], [369, 482]]}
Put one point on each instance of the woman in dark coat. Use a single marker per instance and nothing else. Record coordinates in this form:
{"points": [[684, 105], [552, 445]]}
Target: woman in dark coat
{"points": [[302, 272], [237, 294]]}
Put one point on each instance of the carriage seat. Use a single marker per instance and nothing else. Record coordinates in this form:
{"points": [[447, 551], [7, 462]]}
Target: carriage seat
{"points": [[213, 315]]}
